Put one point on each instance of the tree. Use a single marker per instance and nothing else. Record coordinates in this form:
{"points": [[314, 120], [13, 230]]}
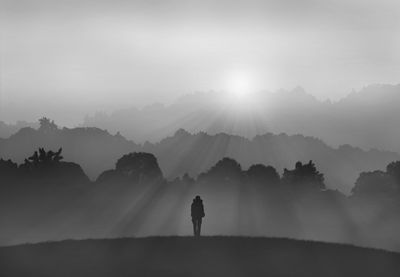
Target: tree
{"points": [[8, 170], [304, 176], [47, 125], [44, 158], [373, 184], [393, 169], [379, 183], [261, 174], [139, 166], [46, 167], [224, 170]]}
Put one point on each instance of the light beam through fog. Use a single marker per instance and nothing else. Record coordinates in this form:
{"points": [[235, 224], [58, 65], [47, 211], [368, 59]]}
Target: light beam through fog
{"points": [[274, 119]]}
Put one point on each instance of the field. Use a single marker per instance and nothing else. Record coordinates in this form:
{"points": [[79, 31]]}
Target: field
{"points": [[186, 256]]}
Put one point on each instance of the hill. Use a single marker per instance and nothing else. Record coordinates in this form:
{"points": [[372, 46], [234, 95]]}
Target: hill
{"points": [[195, 153], [367, 118], [94, 149], [7, 130], [97, 150], [206, 256]]}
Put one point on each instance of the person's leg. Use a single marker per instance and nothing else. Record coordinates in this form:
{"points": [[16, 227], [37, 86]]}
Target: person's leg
{"points": [[194, 227], [199, 226]]}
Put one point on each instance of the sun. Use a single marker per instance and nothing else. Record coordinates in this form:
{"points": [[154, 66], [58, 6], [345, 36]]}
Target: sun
{"points": [[239, 83], [242, 96]]}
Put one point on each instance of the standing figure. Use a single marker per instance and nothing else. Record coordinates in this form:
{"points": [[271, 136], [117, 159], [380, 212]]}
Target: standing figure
{"points": [[197, 212]]}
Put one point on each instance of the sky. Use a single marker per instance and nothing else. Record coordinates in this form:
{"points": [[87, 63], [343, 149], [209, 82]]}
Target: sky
{"points": [[66, 59]]}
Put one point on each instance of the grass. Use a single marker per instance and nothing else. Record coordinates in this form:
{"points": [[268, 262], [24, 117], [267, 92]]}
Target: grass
{"points": [[187, 256]]}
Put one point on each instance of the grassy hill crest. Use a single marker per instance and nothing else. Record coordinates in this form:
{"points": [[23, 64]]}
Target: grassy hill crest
{"points": [[187, 256]]}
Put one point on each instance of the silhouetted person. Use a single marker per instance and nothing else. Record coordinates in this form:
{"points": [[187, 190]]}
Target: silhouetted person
{"points": [[197, 212]]}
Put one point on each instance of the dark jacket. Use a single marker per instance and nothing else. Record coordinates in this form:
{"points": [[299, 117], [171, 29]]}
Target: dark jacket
{"points": [[197, 210]]}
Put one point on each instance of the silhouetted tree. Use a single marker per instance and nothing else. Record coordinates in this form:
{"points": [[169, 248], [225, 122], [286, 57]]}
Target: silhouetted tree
{"points": [[44, 158], [7, 165], [261, 174], [47, 125], [379, 183], [8, 171], [374, 184], [304, 177], [134, 167], [225, 170], [393, 169], [139, 165], [46, 167]]}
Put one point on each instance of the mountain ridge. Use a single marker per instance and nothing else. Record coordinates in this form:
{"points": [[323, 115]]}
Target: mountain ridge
{"points": [[366, 118], [96, 150]]}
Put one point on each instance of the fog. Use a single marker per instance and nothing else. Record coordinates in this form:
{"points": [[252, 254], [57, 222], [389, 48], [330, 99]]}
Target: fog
{"points": [[367, 118], [48, 199], [72, 58], [282, 114]]}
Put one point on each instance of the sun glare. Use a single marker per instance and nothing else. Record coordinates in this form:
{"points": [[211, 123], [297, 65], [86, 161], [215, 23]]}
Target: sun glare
{"points": [[241, 97], [240, 84]]}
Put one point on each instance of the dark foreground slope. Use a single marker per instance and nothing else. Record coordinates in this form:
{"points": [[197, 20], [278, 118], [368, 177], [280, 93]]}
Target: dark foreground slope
{"points": [[183, 256]]}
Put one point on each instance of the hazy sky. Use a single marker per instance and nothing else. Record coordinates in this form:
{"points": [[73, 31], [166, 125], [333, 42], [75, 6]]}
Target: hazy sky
{"points": [[68, 58]]}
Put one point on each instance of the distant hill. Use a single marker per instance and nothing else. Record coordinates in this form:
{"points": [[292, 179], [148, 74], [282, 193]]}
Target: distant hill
{"points": [[94, 149], [195, 153], [97, 150], [206, 256], [7, 130], [367, 118]]}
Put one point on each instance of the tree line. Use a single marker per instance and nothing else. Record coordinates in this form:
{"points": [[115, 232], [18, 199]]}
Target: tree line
{"points": [[139, 167]]}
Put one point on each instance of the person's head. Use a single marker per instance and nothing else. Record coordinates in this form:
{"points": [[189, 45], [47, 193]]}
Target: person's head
{"points": [[197, 198]]}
